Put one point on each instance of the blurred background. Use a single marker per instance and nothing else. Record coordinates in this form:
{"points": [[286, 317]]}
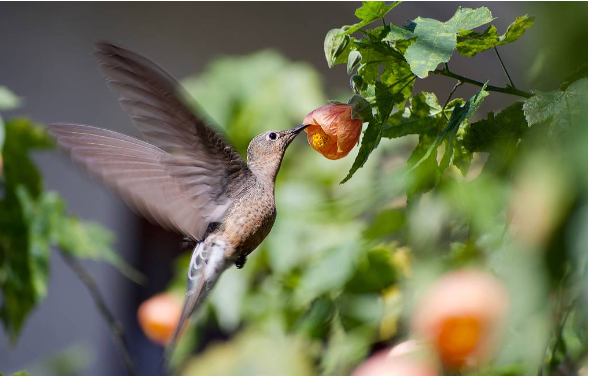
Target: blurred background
{"points": [[255, 67]]}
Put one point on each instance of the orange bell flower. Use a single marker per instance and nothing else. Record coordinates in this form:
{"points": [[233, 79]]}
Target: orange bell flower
{"points": [[158, 317], [333, 132], [462, 317]]}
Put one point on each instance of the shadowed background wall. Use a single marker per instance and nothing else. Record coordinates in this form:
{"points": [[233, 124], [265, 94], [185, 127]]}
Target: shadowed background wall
{"points": [[46, 57]]}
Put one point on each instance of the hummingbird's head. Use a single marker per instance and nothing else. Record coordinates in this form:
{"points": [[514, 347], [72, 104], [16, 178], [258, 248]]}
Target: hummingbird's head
{"points": [[265, 151]]}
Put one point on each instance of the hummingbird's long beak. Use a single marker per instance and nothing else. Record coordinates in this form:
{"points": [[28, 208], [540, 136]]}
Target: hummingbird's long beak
{"points": [[298, 129]]}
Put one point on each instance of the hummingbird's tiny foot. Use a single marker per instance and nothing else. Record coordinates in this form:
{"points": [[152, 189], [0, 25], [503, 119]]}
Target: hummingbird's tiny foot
{"points": [[240, 262]]}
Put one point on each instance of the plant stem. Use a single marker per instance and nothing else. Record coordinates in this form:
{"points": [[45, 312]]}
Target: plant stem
{"points": [[507, 90], [402, 79], [115, 326], [503, 65], [458, 84]]}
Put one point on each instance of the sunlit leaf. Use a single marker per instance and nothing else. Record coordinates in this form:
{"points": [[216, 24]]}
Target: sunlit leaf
{"points": [[373, 10], [334, 45], [369, 12], [353, 59], [437, 40], [459, 115], [471, 43], [423, 116]]}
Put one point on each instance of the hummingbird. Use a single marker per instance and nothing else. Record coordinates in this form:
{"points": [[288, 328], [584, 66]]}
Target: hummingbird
{"points": [[183, 176]]}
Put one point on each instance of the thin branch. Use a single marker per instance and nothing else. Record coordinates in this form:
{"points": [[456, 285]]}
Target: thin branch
{"points": [[458, 84], [115, 326], [503, 65], [507, 90], [401, 80]]}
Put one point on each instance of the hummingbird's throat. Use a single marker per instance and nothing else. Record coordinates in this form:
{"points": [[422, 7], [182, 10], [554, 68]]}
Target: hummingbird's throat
{"points": [[320, 139]]}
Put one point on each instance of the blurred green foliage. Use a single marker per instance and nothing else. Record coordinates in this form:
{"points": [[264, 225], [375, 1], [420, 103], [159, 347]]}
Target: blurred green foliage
{"points": [[341, 270], [32, 221]]}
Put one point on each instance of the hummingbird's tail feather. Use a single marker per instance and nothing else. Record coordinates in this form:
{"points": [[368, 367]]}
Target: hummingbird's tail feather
{"points": [[194, 292], [206, 264]]}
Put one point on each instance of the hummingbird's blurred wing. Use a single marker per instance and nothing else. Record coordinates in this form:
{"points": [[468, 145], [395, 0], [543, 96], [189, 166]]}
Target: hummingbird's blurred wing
{"points": [[183, 178], [140, 174]]}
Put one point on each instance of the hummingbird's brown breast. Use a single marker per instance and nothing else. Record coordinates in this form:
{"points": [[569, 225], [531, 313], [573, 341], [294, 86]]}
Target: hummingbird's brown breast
{"points": [[248, 221]]}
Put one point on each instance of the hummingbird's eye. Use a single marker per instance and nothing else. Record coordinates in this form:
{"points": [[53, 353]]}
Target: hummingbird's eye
{"points": [[272, 136]]}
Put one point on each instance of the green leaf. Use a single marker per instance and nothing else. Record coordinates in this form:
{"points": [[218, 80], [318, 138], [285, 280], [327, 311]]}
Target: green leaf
{"points": [[373, 10], [334, 45], [387, 222], [517, 29], [399, 79], [370, 11], [423, 116], [321, 278], [470, 43], [344, 349], [459, 115], [8, 100], [360, 108], [354, 59], [370, 141], [558, 108], [374, 273], [369, 72], [21, 136], [397, 33], [41, 218], [23, 264], [88, 240], [436, 40], [505, 128], [425, 176], [385, 101]]}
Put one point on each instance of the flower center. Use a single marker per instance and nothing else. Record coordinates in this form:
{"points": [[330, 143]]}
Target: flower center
{"points": [[458, 338], [320, 139]]}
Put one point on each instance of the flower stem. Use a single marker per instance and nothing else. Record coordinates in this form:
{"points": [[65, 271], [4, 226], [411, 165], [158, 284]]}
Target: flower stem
{"points": [[115, 326], [507, 90]]}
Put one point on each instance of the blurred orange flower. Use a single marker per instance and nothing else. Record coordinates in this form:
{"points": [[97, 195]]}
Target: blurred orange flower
{"points": [[405, 359], [158, 317], [333, 132], [462, 316]]}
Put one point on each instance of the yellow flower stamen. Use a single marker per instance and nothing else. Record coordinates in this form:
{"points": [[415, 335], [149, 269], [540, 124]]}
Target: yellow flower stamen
{"points": [[320, 139]]}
